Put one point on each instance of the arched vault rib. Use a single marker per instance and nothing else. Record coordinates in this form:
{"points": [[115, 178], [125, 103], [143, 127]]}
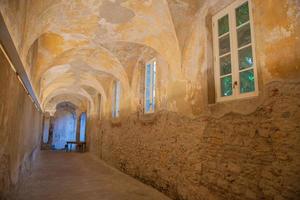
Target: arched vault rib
{"points": [[64, 79], [94, 61], [44, 19], [89, 24], [69, 91], [78, 100]]}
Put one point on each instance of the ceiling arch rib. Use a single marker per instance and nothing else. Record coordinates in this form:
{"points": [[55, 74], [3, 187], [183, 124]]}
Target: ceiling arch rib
{"points": [[90, 23], [67, 84], [93, 61], [49, 46], [50, 16], [53, 49], [151, 26], [73, 54], [69, 91], [77, 100], [60, 75], [89, 89]]}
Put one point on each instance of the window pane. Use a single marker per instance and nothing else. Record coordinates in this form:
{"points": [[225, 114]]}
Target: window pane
{"points": [[148, 88], [114, 101], [226, 86], [225, 65], [118, 92], [247, 81], [148, 105], [82, 127], [223, 25], [244, 35], [153, 85], [245, 58], [113, 111], [224, 45], [242, 14]]}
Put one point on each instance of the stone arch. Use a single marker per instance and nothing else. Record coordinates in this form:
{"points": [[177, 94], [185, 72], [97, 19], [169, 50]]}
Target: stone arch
{"points": [[137, 30], [65, 119], [88, 80], [69, 91], [77, 100], [93, 59]]}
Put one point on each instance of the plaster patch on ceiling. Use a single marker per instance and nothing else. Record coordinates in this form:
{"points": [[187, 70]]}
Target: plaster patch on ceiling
{"points": [[52, 73], [89, 90], [113, 12], [181, 4], [74, 36]]}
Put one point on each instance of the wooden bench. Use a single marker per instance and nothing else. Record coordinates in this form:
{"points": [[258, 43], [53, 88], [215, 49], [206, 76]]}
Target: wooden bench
{"points": [[80, 146]]}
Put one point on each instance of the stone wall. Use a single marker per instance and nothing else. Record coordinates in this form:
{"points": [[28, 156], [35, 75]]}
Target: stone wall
{"points": [[233, 156], [20, 130], [193, 147]]}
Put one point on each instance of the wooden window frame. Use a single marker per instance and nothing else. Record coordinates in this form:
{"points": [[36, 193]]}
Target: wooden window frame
{"points": [[153, 64], [116, 99], [230, 11]]}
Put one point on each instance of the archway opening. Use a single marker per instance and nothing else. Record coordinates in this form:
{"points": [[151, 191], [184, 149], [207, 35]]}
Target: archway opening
{"points": [[64, 125]]}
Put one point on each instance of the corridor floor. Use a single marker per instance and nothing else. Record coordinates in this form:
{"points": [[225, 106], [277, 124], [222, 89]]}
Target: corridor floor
{"points": [[75, 176]]}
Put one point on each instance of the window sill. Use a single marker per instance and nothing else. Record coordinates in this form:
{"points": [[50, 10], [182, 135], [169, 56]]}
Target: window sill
{"points": [[241, 105], [238, 98], [147, 118], [116, 122]]}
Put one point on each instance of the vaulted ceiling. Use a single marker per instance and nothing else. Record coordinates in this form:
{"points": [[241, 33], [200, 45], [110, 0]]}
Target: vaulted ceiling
{"points": [[73, 50]]}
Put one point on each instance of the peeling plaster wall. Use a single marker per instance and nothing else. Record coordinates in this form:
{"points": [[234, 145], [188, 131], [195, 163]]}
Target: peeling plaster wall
{"points": [[190, 149], [20, 130], [278, 39], [277, 30], [15, 14]]}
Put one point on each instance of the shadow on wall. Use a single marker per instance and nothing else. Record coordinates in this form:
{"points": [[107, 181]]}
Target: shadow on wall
{"points": [[64, 125]]}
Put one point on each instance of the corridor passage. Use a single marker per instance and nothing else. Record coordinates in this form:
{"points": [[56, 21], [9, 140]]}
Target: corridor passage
{"points": [[199, 98], [74, 176]]}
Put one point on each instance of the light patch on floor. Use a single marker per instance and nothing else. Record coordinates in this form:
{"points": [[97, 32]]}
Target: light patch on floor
{"points": [[75, 176]]}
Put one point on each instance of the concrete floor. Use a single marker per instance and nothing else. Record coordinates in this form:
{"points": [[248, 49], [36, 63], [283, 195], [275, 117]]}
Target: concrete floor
{"points": [[72, 176]]}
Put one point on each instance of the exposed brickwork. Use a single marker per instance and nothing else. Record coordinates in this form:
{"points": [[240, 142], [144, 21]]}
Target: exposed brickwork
{"points": [[254, 156]]}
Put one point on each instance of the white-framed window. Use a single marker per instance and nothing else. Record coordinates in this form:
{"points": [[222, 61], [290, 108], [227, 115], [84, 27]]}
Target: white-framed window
{"points": [[116, 99], [82, 127], [150, 84], [234, 56]]}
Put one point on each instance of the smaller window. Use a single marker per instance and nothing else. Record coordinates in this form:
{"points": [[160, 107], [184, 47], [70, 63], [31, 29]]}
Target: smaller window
{"points": [[82, 127], [116, 100], [150, 79]]}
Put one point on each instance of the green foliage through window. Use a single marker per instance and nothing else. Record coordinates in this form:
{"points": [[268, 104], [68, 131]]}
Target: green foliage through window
{"points": [[242, 14], [226, 86], [223, 25], [247, 81], [225, 65], [245, 58]]}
